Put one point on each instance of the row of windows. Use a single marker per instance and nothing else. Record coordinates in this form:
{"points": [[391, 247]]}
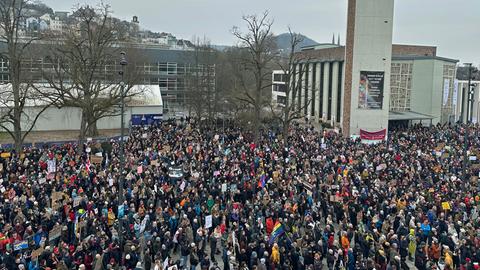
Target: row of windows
{"points": [[323, 87], [163, 68]]}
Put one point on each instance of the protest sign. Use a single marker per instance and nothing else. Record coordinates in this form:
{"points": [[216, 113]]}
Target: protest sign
{"points": [[208, 221], [56, 196], [96, 159], [55, 233], [76, 201], [37, 252], [445, 205], [52, 165], [224, 187], [19, 245]]}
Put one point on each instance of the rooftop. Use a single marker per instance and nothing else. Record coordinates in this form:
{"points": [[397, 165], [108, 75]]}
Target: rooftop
{"points": [[332, 52]]}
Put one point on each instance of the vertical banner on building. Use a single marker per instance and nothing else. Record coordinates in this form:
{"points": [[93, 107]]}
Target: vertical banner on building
{"points": [[455, 94], [446, 91], [370, 95]]}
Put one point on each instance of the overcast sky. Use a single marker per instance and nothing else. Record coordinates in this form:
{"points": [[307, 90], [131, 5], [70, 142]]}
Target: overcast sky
{"points": [[451, 25]]}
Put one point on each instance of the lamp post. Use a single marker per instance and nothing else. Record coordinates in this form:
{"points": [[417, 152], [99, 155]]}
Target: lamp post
{"points": [[465, 139], [123, 63], [470, 90]]}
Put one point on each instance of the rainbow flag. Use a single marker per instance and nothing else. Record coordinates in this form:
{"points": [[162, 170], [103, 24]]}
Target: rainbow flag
{"points": [[278, 230], [261, 182]]}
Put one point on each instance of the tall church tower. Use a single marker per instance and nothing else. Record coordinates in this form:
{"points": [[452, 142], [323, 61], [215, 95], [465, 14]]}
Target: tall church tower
{"points": [[368, 57]]}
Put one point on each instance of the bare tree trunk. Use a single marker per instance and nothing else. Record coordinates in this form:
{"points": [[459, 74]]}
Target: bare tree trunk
{"points": [[92, 130], [83, 128], [17, 129], [286, 126], [256, 125]]}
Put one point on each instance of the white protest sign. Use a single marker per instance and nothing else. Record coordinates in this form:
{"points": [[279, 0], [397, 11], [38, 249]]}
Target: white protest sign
{"points": [[224, 187], [208, 221], [52, 165]]}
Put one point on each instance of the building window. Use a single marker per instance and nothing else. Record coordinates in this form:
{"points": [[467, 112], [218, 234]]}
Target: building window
{"points": [[172, 68], [280, 88], [163, 67], [278, 77], [281, 100], [3, 65], [401, 86]]}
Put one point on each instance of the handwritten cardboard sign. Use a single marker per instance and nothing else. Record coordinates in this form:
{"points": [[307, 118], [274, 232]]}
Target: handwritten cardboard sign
{"points": [[96, 159], [37, 252], [55, 232]]}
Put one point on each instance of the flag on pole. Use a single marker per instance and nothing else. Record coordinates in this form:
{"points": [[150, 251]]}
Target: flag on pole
{"points": [[87, 166], [278, 231], [261, 182]]}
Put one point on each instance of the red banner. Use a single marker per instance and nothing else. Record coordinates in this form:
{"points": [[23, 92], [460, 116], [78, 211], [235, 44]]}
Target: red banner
{"points": [[373, 136]]}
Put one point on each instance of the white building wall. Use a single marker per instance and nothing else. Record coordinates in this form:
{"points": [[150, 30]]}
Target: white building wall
{"points": [[318, 113], [335, 72], [326, 74], [476, 101], [372, 51], [310, 90], [70, 118]]}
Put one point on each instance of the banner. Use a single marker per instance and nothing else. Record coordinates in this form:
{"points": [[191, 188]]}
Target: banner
{"points": [[373, 136], [446, 91], [455, 94], [370, 90]]}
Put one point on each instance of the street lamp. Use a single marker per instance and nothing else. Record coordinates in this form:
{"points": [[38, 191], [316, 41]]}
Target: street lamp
{"points": [[123, 63], [465, 140]]}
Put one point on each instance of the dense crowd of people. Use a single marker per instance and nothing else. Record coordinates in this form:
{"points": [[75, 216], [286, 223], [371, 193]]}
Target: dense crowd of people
{"points": [[214, 199]]}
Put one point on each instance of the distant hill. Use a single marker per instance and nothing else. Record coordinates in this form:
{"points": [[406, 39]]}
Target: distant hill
{"points": [[283, 42]]}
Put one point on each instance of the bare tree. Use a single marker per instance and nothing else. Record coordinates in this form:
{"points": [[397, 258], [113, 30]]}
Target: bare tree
{"points": [[294, 69], [20, 107], [259, 42], [200, 79], [86, 70]]}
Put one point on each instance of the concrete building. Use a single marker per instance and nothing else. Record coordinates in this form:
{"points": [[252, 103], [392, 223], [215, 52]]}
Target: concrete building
{"points": [[145, 108], [368, 56], [279, 94], [421, 85], [370, 84], [471, 109], [169, 69]]}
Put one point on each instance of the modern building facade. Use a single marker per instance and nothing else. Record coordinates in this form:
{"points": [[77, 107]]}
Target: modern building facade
{"points": [[370, 84], [170, 69], [467, 110], [279, 93], [421, 85]]}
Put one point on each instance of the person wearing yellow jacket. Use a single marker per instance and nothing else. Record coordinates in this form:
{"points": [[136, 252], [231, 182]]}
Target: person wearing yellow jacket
{"points": [[448, 259], [275, 257], [412, 245], [111, 217]]}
